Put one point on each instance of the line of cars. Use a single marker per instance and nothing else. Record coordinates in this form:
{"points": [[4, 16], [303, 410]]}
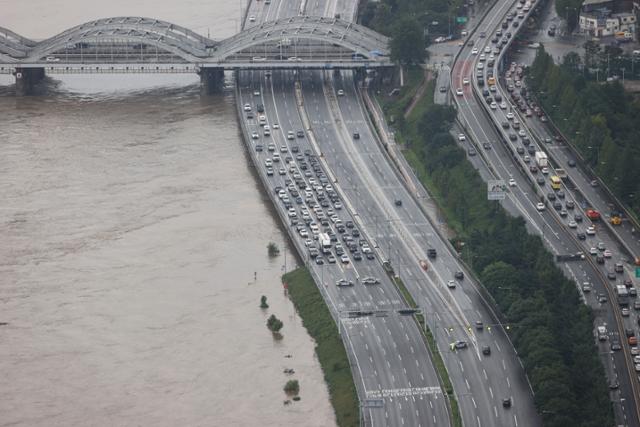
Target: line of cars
{"points": [[308, 197], [519, 96]]}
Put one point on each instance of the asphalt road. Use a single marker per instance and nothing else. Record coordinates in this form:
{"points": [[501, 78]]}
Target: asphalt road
{"points": [[503, 162], [389, 359]]}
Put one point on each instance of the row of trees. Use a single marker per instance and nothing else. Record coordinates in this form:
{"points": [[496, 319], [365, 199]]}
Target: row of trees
{"points": [[549, 326], [600, 119]]}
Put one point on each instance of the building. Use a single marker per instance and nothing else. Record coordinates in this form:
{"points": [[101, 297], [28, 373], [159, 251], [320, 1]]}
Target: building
{"points": [[602, 18]]}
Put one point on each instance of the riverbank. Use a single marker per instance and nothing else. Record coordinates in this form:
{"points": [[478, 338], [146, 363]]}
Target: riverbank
{"points": [[329, 346]]}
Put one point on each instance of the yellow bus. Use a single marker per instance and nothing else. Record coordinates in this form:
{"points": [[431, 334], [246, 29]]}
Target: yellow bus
{"points": [[555, 182]]}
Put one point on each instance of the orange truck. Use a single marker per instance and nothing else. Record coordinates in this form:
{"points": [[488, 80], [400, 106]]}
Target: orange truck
{"points": [[616, 218]]}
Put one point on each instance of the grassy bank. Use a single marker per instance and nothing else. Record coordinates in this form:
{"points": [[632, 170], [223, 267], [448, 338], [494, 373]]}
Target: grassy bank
{"points": [[329, 347], [550, 327]]}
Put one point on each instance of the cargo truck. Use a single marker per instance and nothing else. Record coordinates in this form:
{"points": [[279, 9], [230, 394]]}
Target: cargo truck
{"points": [[541, 159], [325, 243], [593, 214]]}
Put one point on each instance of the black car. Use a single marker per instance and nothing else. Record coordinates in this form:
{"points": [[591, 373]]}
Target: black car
{"points": [[486, 350], [356, 135], [560, 194], [349, 224], [506, 402], [459, 275], [398, 202], [431, 253], [570, 205], [260, 108], [443, 89], [357, 256], [520, 150], [577, 218], [571, 163], [557, 206], [300, 134], [355, 232], [540, 180], [551, 196], [513, 137], [505, 125]]}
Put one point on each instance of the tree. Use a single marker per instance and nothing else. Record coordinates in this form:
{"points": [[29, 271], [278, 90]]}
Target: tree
{"points": [[263, 302], [407, 42], [272, 249], [274, 324], [292, 387]]}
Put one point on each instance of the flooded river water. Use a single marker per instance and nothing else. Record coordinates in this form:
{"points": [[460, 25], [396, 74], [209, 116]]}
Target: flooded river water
{"points": [[131, 227]]}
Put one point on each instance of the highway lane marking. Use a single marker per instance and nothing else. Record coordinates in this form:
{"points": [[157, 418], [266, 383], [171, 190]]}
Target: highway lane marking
{"points": [[491, 392], [474, 402], [403, 392], [485, 374], [508, 383]]}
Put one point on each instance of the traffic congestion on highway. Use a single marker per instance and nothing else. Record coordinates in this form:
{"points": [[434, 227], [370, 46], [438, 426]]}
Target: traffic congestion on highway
{"points": [[511, 133], [393, 373], [348, 212]]}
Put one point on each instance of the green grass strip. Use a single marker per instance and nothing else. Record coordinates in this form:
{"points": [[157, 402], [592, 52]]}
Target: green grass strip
{"points": [[329, 346]]}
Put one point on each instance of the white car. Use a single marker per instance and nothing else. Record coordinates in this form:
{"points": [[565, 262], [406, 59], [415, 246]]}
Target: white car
{"points": [[545, 171], [482, 58], [503, 105], [52, 59], [451, 284], [573, 224], [276, 126], [465, 81], [247, 107], [254, 135], [256, 93], [591, 230], [522, 133], [593, 251], [461, 137], [509, 116], [512, 182], [487, 49], [252, 18], [474, 51], [607, 253], [493, 105], [344, 259], [459, 91], [340, 92], [540, 207]]}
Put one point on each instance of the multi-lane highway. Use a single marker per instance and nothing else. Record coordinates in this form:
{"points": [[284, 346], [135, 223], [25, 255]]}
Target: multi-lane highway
{"points": [[509, 159], [327, 107], [394, 376]]}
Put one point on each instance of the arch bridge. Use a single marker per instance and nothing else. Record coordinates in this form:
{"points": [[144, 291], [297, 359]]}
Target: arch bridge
{"points": [[137, 44]]}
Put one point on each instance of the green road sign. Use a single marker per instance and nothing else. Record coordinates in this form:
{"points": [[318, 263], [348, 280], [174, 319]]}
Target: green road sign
{"points": [[637, 271], [461, 19]]}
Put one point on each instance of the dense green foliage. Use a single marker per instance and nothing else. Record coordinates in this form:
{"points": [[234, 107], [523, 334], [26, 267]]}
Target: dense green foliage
{"points": [[549, 326], [599, 118], [273, 250], [329, 347], [407, 42], [274, 324], [263, 302], [411, 24], [292, 387]]}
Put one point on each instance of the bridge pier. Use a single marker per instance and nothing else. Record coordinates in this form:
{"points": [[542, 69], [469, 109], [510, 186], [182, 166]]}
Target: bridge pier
{"points": [[26, 79], [211, 80]]}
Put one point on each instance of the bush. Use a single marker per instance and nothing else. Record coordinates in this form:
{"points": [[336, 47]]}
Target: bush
{"points": [[274, 324], [263, 302], [273, 250], [292, 387]]}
